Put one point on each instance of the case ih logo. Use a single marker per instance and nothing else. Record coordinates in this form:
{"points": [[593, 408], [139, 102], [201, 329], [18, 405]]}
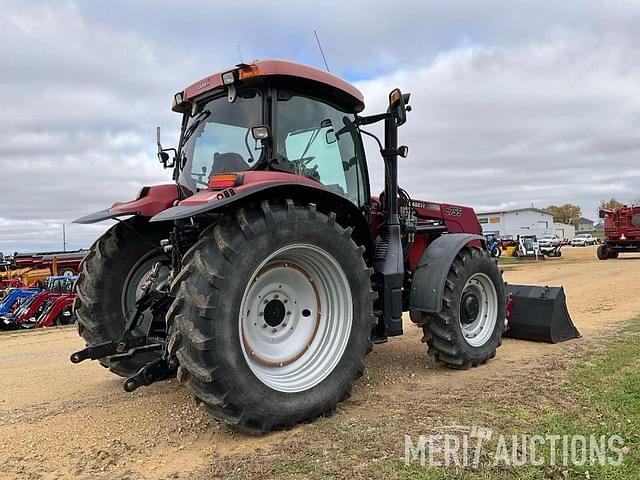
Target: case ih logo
{"points": [[453, 211], [203, 84]]}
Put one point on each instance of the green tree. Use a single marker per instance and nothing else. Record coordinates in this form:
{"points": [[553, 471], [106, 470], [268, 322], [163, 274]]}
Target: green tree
{"points": [[610, 204], [567, 213]]}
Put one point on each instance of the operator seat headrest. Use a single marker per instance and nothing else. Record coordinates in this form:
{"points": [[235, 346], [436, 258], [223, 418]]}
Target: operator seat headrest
{"points": [[228, 162]]}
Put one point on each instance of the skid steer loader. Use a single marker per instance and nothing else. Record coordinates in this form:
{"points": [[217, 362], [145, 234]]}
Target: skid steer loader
{"points": [[263, 275]]}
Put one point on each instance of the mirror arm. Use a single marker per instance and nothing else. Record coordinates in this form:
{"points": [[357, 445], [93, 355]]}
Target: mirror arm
{"points": [[369, 119]]}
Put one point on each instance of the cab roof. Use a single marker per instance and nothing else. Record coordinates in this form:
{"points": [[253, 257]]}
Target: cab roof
{"points": [[348, 94]]}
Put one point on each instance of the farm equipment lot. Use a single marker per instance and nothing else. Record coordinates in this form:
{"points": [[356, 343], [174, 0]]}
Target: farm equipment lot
{"points": [[58, 420]]}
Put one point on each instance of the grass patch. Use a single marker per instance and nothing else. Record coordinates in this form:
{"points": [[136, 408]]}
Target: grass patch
{"points": [[601, 398], [300, 469]]}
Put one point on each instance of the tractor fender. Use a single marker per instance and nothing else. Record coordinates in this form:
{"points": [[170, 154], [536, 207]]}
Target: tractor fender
{"points": [[149, 202], [273, 185], [427, 286], [247, 184]]}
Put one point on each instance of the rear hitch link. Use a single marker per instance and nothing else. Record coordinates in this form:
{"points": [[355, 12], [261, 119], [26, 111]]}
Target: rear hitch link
{"points": [[128, 345]]}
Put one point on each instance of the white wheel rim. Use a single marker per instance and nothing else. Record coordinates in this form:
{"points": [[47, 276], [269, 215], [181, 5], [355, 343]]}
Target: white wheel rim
{"points": [[295, 318], [478, 320]]}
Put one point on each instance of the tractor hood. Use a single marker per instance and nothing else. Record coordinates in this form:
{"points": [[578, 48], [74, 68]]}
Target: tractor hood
{"points": [[149, 202], [230, 187]]}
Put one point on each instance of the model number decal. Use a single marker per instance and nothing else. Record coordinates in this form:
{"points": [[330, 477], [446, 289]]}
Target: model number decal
{"points": [[229, 192], [453, 211]]}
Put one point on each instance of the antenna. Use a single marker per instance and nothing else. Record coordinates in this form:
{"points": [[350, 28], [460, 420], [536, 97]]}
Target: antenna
{"points": [[240, 52], [321, 52]]}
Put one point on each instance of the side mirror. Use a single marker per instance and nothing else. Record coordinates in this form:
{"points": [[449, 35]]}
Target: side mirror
{"points": [[398, 106], [601, 213], [163, 157]]}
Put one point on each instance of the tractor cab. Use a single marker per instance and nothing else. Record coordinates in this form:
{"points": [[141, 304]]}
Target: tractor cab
{"points": [[252, 119], [60, 283]]}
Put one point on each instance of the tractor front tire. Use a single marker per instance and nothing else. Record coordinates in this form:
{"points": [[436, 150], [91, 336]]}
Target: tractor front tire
{"points": [[602, 252], [273, 316], [469, 327], [109, 275]]}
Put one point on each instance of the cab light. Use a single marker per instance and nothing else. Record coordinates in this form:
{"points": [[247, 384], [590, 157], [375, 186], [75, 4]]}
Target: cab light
{"points": [[248, 71], [226, 180], [394, 96], [228, 78]]}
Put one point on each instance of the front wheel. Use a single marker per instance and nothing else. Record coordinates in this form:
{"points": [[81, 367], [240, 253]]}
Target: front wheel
{"points": [[602, 253], [273, 315], [469, 328]]}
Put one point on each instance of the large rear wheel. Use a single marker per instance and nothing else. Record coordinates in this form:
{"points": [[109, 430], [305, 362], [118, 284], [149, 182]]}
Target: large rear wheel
{"points": [[111, 279], [273, 315], [469, 328]]}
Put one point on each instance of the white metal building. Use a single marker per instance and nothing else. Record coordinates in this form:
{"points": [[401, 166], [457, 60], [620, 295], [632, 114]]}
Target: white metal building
{"points": [[563, 230], [520, 221]]}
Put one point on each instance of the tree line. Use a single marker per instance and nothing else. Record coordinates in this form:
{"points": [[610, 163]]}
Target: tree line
{"points": [[570, 213]]}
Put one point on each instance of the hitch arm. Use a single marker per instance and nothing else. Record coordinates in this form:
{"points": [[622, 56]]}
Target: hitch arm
{"points": [[107, 349], [159, 369]]}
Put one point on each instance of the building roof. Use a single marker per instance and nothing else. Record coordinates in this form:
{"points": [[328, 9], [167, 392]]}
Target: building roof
{"points": [[514, 210], [585, 220]]}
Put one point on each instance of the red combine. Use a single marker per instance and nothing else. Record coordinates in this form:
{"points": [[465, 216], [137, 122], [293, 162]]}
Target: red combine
{"points": [[621, 230], [59, 263]]}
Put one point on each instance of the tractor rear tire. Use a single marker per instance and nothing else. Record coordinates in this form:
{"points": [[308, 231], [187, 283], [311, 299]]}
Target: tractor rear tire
{"points": [[469, 328], [273, 316], [114, 263], [602, 252]]}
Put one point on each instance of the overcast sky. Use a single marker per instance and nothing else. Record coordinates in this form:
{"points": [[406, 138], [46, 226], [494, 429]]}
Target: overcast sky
{"points": [[514, 103]]}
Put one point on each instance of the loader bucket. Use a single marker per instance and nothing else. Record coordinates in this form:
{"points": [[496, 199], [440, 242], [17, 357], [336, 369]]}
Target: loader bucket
{"points": [[539, 314]]}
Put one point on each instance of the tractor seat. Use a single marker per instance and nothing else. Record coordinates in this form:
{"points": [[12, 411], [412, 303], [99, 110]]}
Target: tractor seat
{"points": [[228, 162]]}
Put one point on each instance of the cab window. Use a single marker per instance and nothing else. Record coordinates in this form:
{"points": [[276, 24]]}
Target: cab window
{"points": [[321, 141]]}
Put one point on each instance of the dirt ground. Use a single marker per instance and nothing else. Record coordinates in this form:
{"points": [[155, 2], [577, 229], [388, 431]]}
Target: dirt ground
{"points": [[59, 420]]}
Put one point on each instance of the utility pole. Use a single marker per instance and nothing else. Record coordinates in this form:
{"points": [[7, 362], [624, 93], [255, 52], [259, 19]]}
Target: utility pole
{"points": [[64, 238]]}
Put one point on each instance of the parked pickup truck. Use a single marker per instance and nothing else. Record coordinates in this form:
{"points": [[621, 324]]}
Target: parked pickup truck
{"points": [[583, 240]]}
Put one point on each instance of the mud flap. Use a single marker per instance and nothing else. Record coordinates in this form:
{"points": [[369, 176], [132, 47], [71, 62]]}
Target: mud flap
{"points": [[539, 314]]}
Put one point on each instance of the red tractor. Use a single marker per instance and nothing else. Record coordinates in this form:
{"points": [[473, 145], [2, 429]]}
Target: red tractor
{"points": [[266, 272], [47, 308], [622, 231], [58, 312]]}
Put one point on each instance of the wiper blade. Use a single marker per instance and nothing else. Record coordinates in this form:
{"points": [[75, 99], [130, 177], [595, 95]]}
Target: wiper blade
{"points": [[196, 123]]}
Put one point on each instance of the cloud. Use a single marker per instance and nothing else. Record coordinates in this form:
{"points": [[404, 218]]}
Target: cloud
{"points": [[513, 103], [505, 126]]}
